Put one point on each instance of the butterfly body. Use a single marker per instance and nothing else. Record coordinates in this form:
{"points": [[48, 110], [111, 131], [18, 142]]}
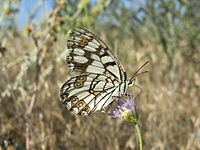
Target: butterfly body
{"points": [[100, 75]]}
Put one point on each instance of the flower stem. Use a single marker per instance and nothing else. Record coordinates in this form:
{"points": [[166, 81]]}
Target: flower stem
{"points": [[139, 135]]}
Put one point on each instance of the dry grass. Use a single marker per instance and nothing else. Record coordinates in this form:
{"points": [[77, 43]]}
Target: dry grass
{"points": [[169, 103]]}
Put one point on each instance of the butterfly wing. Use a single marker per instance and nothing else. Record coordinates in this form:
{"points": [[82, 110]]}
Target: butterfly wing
{"points": [[87, 93], [101, 75], [88, 54]]}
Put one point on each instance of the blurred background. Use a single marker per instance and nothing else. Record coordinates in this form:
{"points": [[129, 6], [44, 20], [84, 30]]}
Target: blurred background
{"points": [[33, 37]]}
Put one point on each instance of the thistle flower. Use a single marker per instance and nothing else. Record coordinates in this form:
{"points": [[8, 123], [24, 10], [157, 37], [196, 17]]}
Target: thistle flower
{"points": [[126, 110]]}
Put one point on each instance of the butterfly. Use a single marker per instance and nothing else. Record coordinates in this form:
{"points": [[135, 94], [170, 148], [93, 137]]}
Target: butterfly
{"points": [[100, 76]]}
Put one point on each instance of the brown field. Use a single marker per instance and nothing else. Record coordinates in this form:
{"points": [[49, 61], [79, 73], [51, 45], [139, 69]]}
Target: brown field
{"points": [[169, 103], [33, 68]]}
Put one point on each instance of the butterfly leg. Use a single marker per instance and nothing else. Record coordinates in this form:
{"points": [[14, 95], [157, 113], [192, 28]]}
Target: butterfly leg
{"points": [[139, 89], [115, 100]]}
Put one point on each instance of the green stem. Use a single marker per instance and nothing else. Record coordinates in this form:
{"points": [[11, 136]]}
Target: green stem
{"points": [[139, 135]]}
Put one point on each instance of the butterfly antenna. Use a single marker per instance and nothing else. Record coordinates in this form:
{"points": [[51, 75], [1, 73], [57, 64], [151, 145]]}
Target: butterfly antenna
{"points": [[137, 74]]}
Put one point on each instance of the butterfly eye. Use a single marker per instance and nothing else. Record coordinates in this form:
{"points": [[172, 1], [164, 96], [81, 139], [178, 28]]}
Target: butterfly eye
{"points": [[81, 78], [80, 104], [86, 109], [74, 99], [131, 82], [78, 84]]}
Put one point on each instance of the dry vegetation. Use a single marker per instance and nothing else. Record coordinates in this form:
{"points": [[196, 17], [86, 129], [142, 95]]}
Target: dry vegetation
{"points": [[32, 70]]}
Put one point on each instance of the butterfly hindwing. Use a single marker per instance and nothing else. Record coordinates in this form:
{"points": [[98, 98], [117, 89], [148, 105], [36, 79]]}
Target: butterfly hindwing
{"points": [[89, 92]]}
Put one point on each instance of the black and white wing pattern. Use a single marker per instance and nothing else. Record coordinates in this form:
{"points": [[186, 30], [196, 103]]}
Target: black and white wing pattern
{"points": [[100, 76]]}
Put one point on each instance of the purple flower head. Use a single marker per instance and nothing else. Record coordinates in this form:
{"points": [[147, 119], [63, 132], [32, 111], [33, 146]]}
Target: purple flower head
{"points": [[126, 110]]}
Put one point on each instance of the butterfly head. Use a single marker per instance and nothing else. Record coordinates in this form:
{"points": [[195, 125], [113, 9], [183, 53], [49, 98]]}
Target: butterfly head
{"points": [[131, 81]]}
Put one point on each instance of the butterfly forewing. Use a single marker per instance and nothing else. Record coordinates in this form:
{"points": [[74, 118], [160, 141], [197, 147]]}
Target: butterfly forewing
{"points": [[101, 77], [88, 54]]}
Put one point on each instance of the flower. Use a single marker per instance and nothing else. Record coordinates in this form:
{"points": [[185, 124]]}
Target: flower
{"points": [[126, 110]]}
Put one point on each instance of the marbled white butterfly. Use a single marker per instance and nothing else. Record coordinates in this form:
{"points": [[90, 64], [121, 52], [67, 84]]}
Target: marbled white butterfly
{"points": [[101, 76]]}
